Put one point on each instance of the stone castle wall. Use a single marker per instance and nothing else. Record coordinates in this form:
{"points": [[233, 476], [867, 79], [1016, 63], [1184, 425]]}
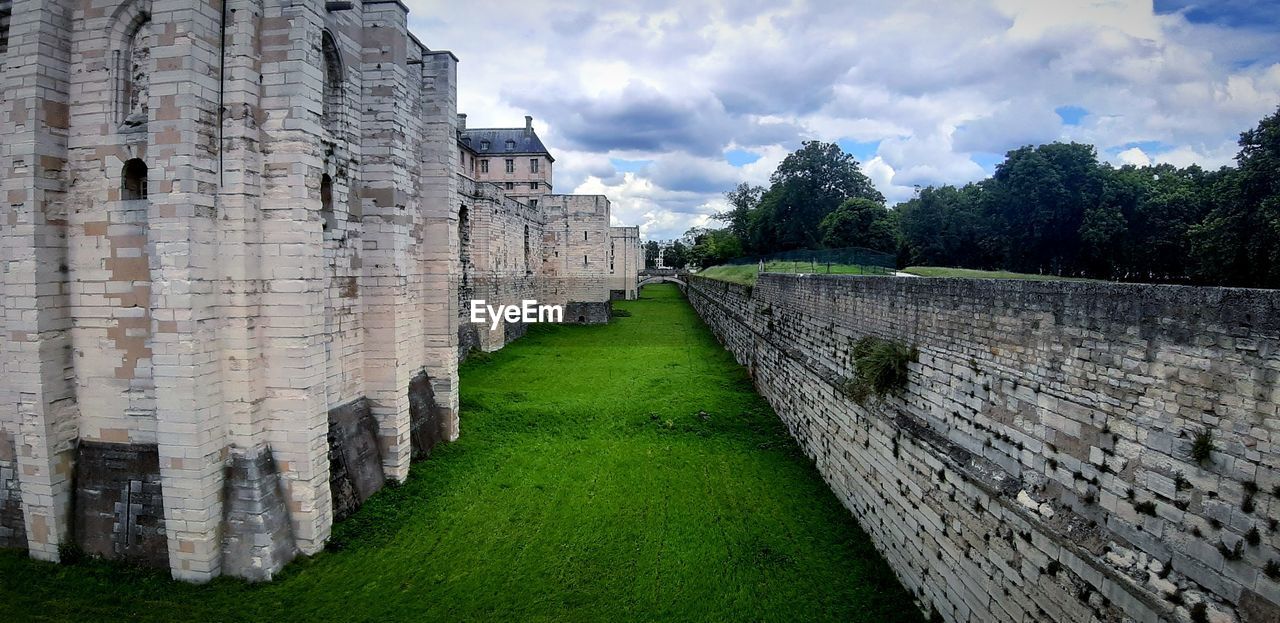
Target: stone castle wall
{"points": [[575, 262], [625, 262], [502, 260], [236, 255], [1039, 464], [229, 274]]}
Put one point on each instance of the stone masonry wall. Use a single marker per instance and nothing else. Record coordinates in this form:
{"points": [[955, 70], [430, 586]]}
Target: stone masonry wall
{"points": [[502, 259], [575, 257], [225, 231], [1038, 466], [625, 262]]}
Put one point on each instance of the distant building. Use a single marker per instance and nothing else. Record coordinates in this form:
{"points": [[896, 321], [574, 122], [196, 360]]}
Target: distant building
{"points": [[513, 158], [519, 240], [626, 260]]}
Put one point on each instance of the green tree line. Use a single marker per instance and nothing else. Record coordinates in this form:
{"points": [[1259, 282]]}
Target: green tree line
{"points": [[1050, 209]]}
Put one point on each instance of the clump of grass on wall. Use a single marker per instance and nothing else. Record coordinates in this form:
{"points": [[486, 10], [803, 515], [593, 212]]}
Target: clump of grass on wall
{"points": [[880, 368], [1202, 447]]}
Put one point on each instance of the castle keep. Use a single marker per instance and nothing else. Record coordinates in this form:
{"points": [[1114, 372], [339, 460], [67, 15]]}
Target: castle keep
{"points": [[237, 243]]}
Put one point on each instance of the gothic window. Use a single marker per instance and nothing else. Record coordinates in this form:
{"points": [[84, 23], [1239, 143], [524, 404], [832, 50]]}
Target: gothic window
{"points": [[533, 185], [511, 185], [511, 145], [484, 145], [331, 105], [484, 166], [135, 69], [533, 165], [133, 180], [511, 165]]}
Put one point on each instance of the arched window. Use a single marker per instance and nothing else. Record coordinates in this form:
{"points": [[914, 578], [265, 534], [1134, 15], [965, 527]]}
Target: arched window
{"points": [[135, 71], [326, 203], [331, 104], [133, 180]]}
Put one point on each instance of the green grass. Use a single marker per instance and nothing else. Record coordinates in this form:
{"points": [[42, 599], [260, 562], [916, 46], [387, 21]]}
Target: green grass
{"points": [[969, 273], [746, 273], [618, 472]]}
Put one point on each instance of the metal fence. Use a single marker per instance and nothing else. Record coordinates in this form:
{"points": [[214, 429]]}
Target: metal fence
{"points": [[845, 261]]}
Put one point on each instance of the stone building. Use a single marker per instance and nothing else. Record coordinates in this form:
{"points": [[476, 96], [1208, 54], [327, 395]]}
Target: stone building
{"points": [[519, 241], [230, 270], [513, 158], [626, 260], [235, 250]]}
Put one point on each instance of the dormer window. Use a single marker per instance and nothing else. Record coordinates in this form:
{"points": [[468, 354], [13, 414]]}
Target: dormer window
{"points": [[511, 145], [484, 145]]}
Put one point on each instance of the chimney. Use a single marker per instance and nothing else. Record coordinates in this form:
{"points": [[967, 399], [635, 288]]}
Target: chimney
{"points": [[528, 124], [462, 121]]}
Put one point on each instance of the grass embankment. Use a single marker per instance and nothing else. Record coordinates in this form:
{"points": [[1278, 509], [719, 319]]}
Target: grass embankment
{"points": [[623, 472], [747, 273], [969, 273]]}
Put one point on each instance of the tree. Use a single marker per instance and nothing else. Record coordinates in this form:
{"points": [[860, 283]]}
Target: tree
{"points": [[808, 184], [711, 247], [946, 226], [742, 200], [1238, 242], [860, 222], [676, 255], [651, 251], [1038, 198]]}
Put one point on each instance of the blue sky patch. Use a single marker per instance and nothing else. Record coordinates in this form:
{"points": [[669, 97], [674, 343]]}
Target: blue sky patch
{"points": [[987, 160], [1250, 14], [628, 166], [1147, 147], [1071, 115], [740, 157], [862, 150]]}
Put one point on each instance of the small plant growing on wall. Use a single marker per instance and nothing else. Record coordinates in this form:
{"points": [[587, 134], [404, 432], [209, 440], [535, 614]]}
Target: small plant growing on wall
{"points": [[1180, 482], [1146, 508], [1202, 447], [1272, 569], [1253, 537], [1231, 553], [880, 368]]}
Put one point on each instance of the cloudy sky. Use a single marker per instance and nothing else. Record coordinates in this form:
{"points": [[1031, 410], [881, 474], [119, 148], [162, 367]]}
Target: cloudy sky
{"points": [[664, 105]]}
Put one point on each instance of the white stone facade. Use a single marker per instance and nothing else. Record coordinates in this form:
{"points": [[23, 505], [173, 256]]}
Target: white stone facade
{"points": [[228, 235], [626, 260]]}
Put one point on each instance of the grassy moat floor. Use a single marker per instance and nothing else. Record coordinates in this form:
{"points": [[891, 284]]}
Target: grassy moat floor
{"points": [[625, 472]]}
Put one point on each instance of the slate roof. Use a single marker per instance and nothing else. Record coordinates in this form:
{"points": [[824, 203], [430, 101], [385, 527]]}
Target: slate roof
{"points": [[524, 142]]}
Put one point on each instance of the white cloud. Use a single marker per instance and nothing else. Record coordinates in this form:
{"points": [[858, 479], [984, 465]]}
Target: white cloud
{"points": [[1134, 156], [934, 83]]}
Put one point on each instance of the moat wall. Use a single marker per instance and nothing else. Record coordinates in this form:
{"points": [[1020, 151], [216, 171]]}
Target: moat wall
{"points": [[1039, 464]]}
